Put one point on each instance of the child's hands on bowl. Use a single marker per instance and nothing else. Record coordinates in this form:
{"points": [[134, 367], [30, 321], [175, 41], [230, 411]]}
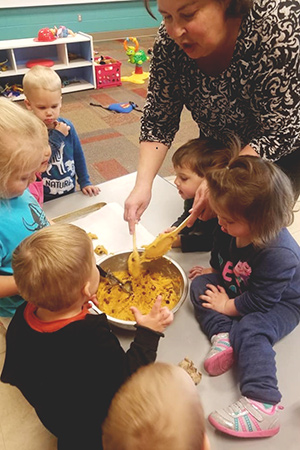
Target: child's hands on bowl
{"points": [[158, 319]]}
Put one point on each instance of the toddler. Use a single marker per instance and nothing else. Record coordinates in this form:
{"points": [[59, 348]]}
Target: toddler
{"points": [[42, 89], [157, 408], [23, 143], [191, 163], [67, 362], [250, 297]]}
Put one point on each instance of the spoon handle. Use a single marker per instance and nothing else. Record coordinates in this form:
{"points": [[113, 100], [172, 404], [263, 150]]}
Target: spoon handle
{"points": [[180, 227]]}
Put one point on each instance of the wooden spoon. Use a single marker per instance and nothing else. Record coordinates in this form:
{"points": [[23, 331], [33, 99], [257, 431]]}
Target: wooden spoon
{"points": [[134, 263], [162, 243]]}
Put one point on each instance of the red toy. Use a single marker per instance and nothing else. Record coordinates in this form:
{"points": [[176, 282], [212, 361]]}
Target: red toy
{"points": [[39, 62], [45, 35]]}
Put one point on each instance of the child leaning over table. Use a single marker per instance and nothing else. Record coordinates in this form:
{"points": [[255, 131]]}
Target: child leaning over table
{"points": [[66, 362], [250, 297], [158, 408], [191, 162], [23, 145], [42, 89]]}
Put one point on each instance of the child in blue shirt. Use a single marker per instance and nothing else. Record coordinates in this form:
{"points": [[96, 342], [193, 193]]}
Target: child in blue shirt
{"points": [[42, 88], [250, 296], [23, 143]]}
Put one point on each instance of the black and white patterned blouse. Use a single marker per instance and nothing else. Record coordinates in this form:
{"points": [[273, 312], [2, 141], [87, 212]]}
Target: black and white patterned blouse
{"points": [[257, 97]]}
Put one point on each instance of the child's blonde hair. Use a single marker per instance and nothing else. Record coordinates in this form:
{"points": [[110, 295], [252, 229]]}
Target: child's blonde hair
{"points": [[155, 409], [41, 77], [22, 135], [52, 265], [204, 154], [254, 190]]}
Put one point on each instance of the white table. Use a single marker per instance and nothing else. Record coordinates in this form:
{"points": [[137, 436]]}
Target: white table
{"points": [[184, 337]]}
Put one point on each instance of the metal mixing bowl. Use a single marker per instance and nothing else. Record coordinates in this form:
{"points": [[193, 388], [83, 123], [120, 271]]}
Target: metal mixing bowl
{"points": [[165, 265]]}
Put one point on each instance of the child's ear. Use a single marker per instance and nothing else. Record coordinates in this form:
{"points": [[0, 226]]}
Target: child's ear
{"points": [[86, 290], [27, 104]]}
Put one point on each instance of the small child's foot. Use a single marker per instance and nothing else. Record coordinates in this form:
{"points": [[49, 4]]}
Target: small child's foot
{"points": [[220, 356], [247, 419]]}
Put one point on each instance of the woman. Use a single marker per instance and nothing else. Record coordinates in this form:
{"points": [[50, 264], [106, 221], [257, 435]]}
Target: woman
{"points": [[235, 65]]}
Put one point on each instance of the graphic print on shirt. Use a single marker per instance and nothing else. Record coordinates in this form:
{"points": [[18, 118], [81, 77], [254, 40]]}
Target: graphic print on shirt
{"points": [[39, 219], [57, 160], [61, 173], [235, 276]]}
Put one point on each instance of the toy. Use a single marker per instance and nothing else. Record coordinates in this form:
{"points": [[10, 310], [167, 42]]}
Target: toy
{"points": [[137, 57], [39, 62], [62, 32], [65, 81], [4, 66], [11, 91], [119, 107], [45, 35]]}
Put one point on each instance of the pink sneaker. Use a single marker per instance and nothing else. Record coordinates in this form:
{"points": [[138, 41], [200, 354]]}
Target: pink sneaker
{"points": [[220, 356], [247, 419]]}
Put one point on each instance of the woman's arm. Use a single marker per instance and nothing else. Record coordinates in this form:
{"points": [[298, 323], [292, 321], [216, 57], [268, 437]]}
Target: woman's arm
{"points": [[151, 158]]}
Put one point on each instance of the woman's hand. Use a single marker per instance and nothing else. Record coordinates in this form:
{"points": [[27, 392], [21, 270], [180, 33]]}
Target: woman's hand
{"points": [[201, 208], [151, 157], [135, 205], [158, 318]]}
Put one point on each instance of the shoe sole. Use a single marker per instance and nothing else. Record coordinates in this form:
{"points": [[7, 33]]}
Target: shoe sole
{"points": [[243, 434], [219, 363]]}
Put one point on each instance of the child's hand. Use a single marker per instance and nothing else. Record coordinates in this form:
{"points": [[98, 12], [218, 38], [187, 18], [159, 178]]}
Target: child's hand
{"points": [[168, 230], [62, 127], [92, 299], [199, 270], [90, 190], [158, 318], [216, 298], [177, 242]]}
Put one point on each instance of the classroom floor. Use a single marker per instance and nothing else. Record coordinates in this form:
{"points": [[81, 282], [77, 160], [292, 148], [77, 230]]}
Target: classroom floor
{"points": [[110, 143]]}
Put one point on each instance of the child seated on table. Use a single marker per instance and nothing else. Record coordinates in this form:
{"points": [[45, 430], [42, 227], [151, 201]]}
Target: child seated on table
{"points": [[157, 408], [191, 162], [42, 89], [67, 362]]}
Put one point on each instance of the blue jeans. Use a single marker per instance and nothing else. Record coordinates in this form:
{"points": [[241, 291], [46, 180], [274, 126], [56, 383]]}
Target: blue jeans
{"points": [[252, 338]]}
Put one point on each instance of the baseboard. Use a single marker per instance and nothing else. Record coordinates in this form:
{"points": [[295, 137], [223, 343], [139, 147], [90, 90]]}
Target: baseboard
{"points": [[123, 34]]}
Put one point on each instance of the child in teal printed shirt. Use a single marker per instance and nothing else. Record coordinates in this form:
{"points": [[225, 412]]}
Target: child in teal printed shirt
{"points": [[23, 143], [42, 88]]}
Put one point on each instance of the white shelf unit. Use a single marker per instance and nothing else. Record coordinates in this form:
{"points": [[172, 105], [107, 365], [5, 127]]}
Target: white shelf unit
{"points": [[79, 71]]}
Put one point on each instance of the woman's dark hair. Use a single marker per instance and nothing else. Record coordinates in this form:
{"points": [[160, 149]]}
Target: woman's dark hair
{"points": [[236, 8]]}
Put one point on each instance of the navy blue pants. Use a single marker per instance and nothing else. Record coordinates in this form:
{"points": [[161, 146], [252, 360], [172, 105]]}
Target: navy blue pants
{"points": [[252, 338]]}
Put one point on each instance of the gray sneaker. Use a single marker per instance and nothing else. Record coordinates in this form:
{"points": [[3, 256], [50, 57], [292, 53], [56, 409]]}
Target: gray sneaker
{"points": [[245, 419], [220, 356]]}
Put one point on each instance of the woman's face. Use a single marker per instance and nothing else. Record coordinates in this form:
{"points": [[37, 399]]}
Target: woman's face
{"points": [[199, 27]]}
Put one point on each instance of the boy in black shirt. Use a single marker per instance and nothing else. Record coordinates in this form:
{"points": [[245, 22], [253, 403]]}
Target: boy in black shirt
{"points": [[67, 362]]}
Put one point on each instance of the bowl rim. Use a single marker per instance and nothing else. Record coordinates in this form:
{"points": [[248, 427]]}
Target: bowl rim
{"points": [[131, 324]]}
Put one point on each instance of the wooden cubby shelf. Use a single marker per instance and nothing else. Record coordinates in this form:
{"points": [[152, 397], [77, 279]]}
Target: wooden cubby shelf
{"points": [[72, 58]]}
